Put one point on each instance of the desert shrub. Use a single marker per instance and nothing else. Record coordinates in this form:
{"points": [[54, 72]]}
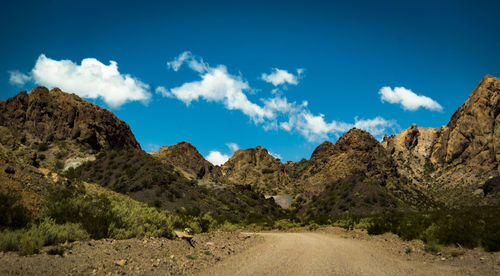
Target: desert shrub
{"points": [[139, 220], [12, 213], [285, 224], [71, 204], [29, 241], [9, 240], [468, 227], [267, 170], [43, 147]]}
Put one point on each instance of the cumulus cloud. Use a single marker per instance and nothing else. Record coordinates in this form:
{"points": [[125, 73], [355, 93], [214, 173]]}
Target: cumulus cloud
{"points": [[216, 85], [233, 146], [18, 78], [277, 112], [408, 99], [89, 79], [217, 158], [279, 77]]}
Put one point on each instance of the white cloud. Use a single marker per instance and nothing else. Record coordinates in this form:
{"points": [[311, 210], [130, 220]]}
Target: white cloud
{"points": [[195, 63], [164, 92], [151, 147], [233, 146], [275, 155], [216, 85], [279, 76], [408, 99], [91, 79], [217, 158], [18, 78]]}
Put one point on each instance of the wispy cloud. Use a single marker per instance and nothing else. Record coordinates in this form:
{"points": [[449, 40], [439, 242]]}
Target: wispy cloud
{"points": [[90, 79], [217, 85], [233, 146], [17, 78], [280, 76], [408, 99]]}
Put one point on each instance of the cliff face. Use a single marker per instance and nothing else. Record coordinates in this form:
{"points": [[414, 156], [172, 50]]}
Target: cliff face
{"points": [[410, 150], [185, 157], [48, 116]]}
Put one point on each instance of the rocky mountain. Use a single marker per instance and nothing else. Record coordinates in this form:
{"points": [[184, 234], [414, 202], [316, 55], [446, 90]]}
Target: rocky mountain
{"points": [[258, 168], [185, 158], [45, 134], [63, 127], [455, 161], [358, 175]]}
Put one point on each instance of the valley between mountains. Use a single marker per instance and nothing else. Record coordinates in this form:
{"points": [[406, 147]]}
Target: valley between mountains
{"points": [[72, 174]]}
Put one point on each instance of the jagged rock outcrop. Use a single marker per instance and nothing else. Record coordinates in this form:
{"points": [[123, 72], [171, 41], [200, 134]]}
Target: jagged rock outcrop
{"points": [[49, 116], [256, 167], [185, 157], [411, 149]]}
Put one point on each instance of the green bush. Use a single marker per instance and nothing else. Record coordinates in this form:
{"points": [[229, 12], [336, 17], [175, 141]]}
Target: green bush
{"points": [[12, 213], [72, 204], [43, 147], [29, 241], [468, 227]]}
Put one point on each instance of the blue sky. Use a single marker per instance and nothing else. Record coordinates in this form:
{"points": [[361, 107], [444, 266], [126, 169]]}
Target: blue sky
{"points": [[334, 60]]}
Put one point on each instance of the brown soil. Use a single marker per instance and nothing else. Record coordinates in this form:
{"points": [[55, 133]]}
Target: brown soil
{"points": [[327, 251], [148, 256]]}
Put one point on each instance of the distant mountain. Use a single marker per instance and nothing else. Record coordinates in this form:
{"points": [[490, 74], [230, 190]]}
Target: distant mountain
{"points": [[185, 158], [258, 168], [357, 175]]}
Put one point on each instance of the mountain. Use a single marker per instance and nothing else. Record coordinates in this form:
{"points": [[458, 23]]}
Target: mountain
{"points": [[185, 158], [258, 168], [357, 175], [63, 127], [454, 162], [48, 133]]}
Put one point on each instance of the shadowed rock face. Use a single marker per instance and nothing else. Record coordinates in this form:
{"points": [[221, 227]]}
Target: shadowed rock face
{"points": [[186, 158], [47, 116], [322, 150]]}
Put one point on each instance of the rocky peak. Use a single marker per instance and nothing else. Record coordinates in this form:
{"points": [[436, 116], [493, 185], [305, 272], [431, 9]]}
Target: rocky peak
{"points": [[322, 150], [48, 116], [472, 135], [186, 158], [356, 139], [255, 166]]}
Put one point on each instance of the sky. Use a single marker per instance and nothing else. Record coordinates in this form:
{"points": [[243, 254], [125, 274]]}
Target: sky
{"points": [[225, 75]]}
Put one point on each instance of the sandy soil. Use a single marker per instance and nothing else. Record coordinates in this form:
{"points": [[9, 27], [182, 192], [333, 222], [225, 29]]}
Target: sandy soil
{"points": [[333, 251], [327, 251]]}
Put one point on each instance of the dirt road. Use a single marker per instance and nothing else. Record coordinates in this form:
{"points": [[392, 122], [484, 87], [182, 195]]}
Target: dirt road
{"points": [[324, 254]]}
